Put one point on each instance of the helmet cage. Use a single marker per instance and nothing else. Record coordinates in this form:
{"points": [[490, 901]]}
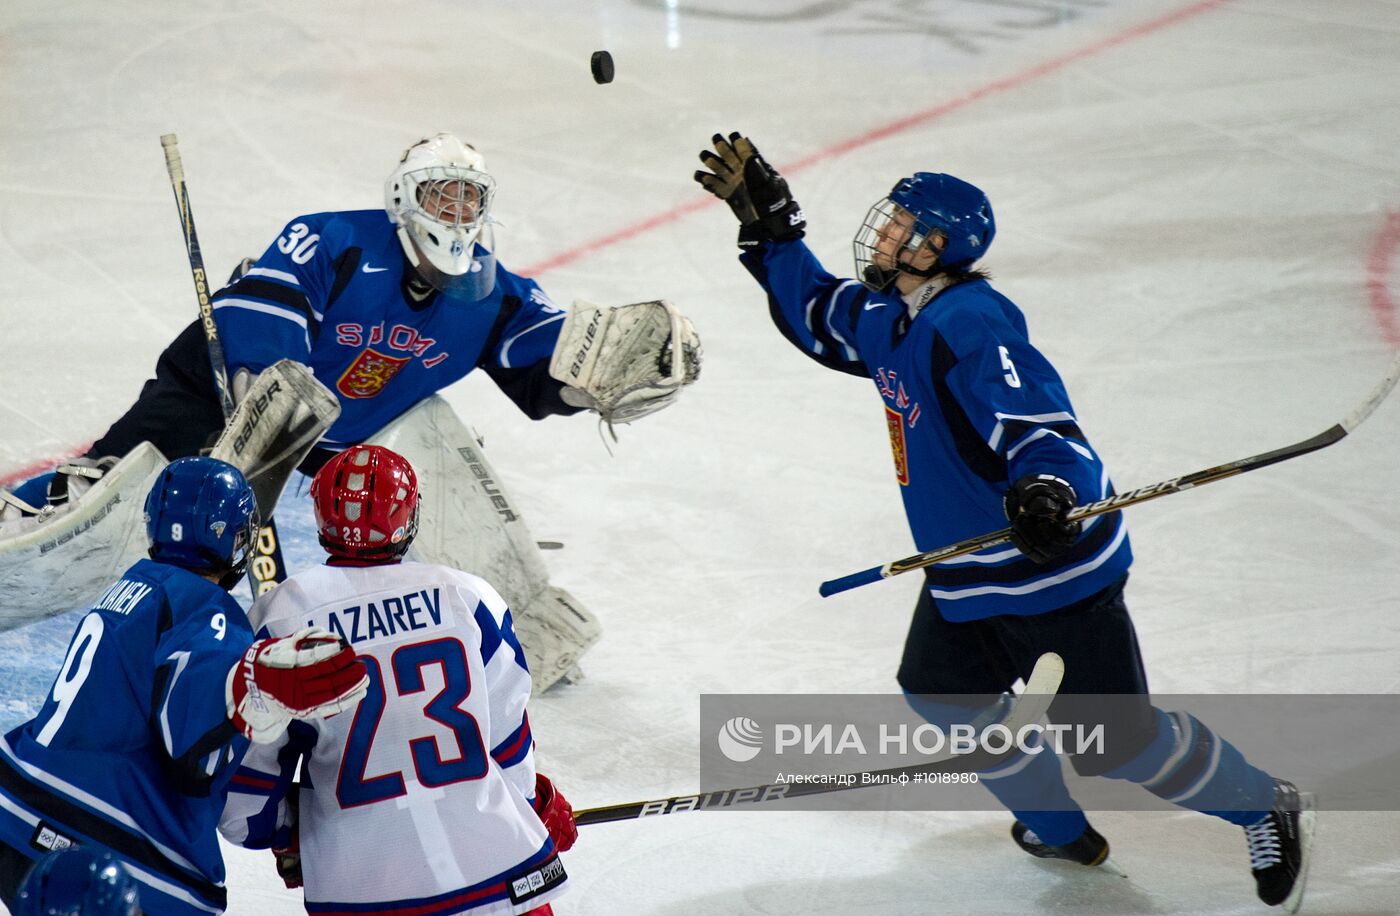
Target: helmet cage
{"points": [[938, 203], [440, 199], [875, 228]]}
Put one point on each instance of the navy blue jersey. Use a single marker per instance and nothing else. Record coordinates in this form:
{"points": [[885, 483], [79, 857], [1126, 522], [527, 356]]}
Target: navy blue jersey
{"points": [[133, 749], [971, 406], [330, 293]]}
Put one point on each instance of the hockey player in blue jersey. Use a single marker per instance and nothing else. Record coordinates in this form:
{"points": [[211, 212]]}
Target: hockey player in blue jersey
{"points": [[162, 688], [982, 432], [387, 307]]}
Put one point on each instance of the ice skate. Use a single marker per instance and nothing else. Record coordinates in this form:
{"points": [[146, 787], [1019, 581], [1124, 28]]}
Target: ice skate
{"points": [[1090, 849], [1280, 847]]}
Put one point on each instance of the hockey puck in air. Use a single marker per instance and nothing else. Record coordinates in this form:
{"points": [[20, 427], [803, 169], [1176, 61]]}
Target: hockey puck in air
{"points": [[602, 65]]}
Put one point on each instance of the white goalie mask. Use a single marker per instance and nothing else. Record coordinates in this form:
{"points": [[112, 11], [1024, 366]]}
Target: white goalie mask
{"points": [[440, 199]]}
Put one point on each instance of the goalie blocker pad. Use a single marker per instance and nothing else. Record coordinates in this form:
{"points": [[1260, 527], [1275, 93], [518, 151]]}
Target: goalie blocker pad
{"points": [[283, 415], [64, 558], [468, 521]]}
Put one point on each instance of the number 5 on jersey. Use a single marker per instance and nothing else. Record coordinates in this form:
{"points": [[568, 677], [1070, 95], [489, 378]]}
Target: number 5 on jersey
{"points": [[1009, 368]]}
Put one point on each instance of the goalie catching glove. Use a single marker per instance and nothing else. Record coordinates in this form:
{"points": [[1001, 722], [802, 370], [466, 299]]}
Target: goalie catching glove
{"points": [[621, 361], [311, 674]]}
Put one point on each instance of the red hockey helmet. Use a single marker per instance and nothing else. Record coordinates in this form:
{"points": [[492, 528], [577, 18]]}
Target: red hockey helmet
{"points": [[366, 501]]}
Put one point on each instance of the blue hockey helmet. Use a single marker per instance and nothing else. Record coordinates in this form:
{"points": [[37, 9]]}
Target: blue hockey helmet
{"points": [[201, 514], [77, 881], [917, 210]]}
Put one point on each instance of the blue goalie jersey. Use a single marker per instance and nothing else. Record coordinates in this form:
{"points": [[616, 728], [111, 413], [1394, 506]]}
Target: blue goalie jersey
{"points": [[331, 292], [133, 750], [970, 406]]}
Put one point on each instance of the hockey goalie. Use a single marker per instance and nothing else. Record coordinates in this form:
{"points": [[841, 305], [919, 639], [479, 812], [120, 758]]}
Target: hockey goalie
{"points": [[341, 333]]}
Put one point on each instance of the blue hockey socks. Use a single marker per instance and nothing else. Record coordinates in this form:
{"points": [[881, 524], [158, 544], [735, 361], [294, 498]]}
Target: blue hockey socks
{"points": [[1189, 765]]}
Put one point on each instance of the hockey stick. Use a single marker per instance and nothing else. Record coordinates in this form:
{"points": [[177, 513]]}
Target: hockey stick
{"points": [[266, 568], [1140, 495], [1027, 709]]}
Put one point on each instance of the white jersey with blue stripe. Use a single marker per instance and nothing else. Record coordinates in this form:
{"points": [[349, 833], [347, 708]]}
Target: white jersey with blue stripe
{"points": [[420, 800], [133, 749], [971, 406], [330, 292]]}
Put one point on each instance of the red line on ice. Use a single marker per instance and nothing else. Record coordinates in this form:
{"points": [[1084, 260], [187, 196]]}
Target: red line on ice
{"points": [[1378, 276]]}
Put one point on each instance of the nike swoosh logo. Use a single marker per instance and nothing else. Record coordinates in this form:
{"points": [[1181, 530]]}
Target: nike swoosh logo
{"points": [[874, 305], [373, 270]]}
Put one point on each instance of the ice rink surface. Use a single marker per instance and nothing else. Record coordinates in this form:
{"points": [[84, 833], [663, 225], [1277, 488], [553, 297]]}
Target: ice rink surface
{"points": [[1198, 210]]}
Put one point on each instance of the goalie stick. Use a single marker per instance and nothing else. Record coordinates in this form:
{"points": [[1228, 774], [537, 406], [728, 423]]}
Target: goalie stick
{"points": [[1120, 501], [1027, 709], [266, 568]]}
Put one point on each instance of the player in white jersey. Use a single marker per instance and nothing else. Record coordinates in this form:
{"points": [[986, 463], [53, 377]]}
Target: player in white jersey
{"points": [[426, 800]]}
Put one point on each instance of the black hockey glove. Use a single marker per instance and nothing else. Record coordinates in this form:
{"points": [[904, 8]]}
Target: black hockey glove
{"points": [[756, 193], [1036, 508]]}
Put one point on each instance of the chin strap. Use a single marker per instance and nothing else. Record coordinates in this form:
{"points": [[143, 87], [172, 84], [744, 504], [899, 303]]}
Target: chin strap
{"points": [[878, 280], [409, 250], [881, 280]]}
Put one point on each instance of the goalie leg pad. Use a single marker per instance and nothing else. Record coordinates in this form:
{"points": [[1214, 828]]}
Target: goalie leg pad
{"points": [[467, 520], [554, 630], [64, 557]]}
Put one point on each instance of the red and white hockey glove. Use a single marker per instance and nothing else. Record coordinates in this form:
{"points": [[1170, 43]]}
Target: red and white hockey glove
{"points": [[556, 813], [308, 675]]}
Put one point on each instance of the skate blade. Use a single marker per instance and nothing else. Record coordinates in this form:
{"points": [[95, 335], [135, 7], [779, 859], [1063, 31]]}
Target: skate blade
{"points": [[1307, 826]]}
